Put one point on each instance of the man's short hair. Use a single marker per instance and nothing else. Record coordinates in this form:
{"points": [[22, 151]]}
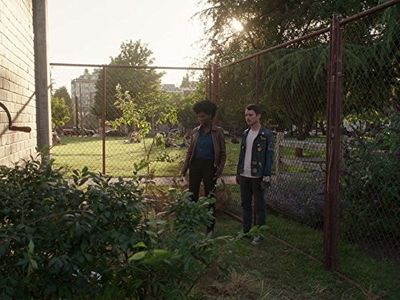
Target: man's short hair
{"points": [[205, 106], [256, 108]]}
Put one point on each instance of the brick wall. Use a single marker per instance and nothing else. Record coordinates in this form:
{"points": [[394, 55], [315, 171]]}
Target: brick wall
{"points": [[17, 79]]}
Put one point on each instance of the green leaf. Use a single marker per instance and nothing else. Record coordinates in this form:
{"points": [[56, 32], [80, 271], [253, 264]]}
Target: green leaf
{"points": [[138, 256], [31, 247], [3, 248], [33, 264], [140, 245]]}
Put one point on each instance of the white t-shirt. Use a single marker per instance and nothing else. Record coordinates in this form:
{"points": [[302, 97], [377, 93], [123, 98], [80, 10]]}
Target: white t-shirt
{"points": [[251, 136]]}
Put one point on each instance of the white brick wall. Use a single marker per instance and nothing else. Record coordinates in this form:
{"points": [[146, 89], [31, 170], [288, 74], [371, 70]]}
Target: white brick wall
{"points": [[17, 79]]}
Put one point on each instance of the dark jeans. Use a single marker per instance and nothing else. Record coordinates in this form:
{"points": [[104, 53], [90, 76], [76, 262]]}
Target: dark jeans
{"points": [[202, 170], [249, 188]]}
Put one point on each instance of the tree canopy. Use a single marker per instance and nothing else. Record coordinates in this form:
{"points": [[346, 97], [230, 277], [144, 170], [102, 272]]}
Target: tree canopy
{"points": [[137, 81], [62, 93], [59, 112], [294, 79]]}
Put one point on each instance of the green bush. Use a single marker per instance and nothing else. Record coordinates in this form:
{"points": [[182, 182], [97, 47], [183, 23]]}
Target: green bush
{"points": [[371, 186], [92, 237]]}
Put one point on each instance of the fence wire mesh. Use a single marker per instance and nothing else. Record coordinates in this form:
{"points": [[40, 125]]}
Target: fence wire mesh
{"points": [[76, 137], [291, 89], [143, 120], [370, 181], [294, 95]]}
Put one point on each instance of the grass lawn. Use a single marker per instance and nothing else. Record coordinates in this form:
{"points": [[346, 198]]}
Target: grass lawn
{"points": [[268, 271], [77, 152], [274, 270]]}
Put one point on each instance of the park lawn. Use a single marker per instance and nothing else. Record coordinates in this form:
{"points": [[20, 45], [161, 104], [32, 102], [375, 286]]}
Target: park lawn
{"points": [[277, 271], [77, 152]]}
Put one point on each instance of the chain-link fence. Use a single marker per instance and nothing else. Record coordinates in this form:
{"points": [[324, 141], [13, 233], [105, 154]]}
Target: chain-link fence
{"points": [[115, 119], [337, 163], [370, 181], [290, 86]]}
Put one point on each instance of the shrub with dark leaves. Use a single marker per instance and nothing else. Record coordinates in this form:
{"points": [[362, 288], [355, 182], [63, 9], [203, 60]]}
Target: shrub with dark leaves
{"points": [[371, 186], [87, 237]]}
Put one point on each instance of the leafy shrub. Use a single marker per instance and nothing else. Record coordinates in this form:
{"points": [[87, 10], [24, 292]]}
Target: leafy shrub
{"points": [[87, 238], [371, 186]]}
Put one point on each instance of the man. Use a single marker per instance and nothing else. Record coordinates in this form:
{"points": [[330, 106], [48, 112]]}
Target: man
{"points": [[254, 168], [206, 155]]}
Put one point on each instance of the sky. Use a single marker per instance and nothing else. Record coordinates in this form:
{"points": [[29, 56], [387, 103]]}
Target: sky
{"points": [[90, 31]]}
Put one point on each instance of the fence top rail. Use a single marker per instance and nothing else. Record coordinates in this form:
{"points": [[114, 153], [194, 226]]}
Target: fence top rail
{"points": [[368, 12], [343, 21], [125, 66], [280, 46]]}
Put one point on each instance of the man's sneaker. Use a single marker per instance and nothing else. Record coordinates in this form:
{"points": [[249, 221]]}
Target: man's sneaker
{"points": [[256, 240]]}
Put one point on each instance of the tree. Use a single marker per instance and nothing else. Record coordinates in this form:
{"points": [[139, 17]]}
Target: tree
{"points": [[62, 93], [136, 117], [137, 81], [59, 112], [185, 102], [294, 80], [185, 82], [268, 22]]}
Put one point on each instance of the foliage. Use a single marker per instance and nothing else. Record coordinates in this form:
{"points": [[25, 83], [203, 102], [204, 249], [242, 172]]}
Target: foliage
{"points": [[135, 116], [131, 114], [294, 79], [186, 115], [237, 90], [267, 22], [371, 185], [62, 93], [93, 237], [189, 250], [247, 272], [137, 81], [295, 87], [60, 114]]}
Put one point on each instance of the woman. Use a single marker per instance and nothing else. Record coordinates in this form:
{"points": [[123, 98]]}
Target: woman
{"points": [[206, 155]]}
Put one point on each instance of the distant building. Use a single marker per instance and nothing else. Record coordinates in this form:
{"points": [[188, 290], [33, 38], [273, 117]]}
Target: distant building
{"points": [[83, 92], [170, 88], [184, 90]]}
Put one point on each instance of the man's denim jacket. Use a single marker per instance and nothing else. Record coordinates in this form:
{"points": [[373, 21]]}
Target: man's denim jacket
{"points": [[262, 153]]}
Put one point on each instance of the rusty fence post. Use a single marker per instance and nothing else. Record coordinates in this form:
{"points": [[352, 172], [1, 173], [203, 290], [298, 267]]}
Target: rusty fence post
{"points": [[333, 156], [103, 120]]}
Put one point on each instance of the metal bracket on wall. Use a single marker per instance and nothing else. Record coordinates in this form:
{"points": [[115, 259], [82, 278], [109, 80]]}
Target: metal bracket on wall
{"points": [[10, 125]]}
